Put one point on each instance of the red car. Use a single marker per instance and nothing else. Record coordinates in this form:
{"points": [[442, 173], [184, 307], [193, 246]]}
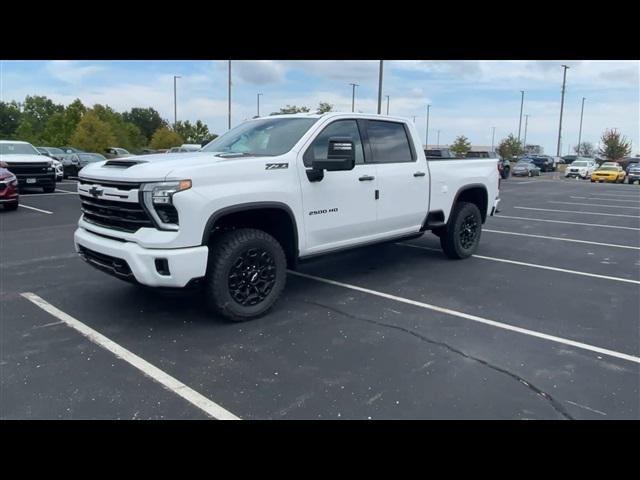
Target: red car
{"points": [[8, 188]]}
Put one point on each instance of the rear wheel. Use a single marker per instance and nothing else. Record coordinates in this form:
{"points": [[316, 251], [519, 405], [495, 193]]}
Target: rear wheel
{"points": [[461, 236], [246, 273], [11, 206], [49, 188]]}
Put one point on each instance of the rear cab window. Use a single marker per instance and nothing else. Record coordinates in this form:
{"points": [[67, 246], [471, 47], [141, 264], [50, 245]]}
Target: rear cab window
{"points": [[390, 142]]}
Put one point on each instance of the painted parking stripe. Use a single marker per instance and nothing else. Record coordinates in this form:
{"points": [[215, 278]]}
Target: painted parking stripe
{"points": [[593, 204], [604, 194], [545, 237], [534, 265], [36, 209], [577, 211], [565, 222], [475, 318], [198, 400], [607, 199]]}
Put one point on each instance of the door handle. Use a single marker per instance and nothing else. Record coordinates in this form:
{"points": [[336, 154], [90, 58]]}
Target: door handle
{"points": [[419, 174], [366, 178]]}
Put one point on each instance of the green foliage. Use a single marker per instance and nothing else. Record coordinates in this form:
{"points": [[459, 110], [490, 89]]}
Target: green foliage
{"points": [[510, 147], [9, 118], [148, 120], [325, 107], [127, 135], [164, 137], [93, 134], [37, 110], [194, 133], [291, 109], [460, 146], [614, 146], [25, 132]]}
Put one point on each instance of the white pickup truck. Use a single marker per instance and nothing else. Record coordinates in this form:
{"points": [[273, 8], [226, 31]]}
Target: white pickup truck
{"points": [[270, 193]]}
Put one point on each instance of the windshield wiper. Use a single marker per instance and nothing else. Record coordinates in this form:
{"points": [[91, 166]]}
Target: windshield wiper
{"points": [[241, 154]]}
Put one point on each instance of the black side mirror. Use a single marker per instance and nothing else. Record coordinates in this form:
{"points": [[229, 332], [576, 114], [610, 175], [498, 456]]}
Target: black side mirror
{"points": [[341, 155], [204, 142]]}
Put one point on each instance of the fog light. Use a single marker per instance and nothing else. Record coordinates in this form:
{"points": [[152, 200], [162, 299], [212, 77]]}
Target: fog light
{"points": [[162, 266]]}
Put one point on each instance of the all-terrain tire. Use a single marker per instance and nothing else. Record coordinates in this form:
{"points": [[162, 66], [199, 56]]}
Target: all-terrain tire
{"points": [[244, 260], [455, 241]]}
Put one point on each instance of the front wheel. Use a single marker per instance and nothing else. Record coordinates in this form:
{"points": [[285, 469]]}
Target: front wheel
{"points": [[246, 273], [11, 206], [462, 234], [49, 188]]}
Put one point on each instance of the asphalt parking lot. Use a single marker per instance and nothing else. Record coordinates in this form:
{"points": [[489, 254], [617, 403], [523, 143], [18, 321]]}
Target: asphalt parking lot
{"points": [[543, 323]]}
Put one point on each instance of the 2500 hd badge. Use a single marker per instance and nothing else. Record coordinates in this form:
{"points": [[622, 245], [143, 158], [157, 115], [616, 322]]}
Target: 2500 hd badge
{"points": [[320, 212]]}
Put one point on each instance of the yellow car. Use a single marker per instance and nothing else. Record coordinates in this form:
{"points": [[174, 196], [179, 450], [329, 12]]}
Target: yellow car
{"points": [[608, 173]]}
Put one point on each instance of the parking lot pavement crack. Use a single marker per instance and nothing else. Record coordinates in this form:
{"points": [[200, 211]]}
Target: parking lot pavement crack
{"points": [[557, 406]]}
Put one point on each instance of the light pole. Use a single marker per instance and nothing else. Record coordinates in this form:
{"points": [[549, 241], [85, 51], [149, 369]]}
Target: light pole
{"points": [[521, 106], [564, 82], [526, 122], [380, 87], [387, 104], [493, 137], [175, 102], [258, 95], [353, 96], [229, 94], [438, 141], [580, 131], [426, 137]]}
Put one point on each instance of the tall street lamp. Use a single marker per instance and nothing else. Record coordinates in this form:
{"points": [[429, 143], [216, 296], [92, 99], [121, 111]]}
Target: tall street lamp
{"points": [[229, 84], [521, 106], [175, 102], [380, 87], [438, 144], [258, 96], [564, 82], [526, 122], [426, 137], [353, 96], [580, 131], [493, 137], [387, 104]]}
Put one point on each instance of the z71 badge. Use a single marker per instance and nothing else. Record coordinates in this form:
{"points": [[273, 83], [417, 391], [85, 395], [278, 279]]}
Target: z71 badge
{"points": [[275, 166]]}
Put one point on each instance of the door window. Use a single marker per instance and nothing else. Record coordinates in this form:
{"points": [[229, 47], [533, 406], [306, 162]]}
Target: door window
{"points": [[341, 128]]}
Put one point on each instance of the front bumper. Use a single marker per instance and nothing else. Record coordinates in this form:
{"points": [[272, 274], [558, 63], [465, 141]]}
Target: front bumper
{"points": [[129, 261], [36, 180], [604, 178], [576, 174]]}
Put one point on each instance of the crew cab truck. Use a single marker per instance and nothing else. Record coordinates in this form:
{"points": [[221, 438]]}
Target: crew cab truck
{"points": [[273, 192]]}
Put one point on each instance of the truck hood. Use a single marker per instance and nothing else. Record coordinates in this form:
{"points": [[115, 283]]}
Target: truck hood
{"points": [[13, 158], [147, 168]]}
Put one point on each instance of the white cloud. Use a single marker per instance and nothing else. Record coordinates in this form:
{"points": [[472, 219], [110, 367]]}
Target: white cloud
{"points": [[72, 71]]}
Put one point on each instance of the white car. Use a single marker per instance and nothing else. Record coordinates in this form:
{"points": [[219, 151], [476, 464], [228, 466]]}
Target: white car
{"points": [[273, 192], [582, 168], [31, 168]]}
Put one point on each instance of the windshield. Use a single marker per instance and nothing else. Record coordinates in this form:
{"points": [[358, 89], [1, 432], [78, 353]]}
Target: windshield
{"points": [[523, 163], [91, 157], [268, 137], [615, 169], [55, 151], [579, 164], [17, 149]]}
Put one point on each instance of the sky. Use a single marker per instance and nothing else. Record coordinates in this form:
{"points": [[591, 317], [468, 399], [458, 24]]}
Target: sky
{"points": [[467, 97]]}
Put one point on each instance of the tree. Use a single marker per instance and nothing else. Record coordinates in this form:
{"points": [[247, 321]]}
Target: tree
{"points": [[194, 133], [510, 147], [9, 118], [614, 146], [164, 137], [93, 134], [37, 110], [126, 134], [291, 109], [460, 146], [57, 133], [324, 107], [148, 120], [25, 132], [585, 149]]}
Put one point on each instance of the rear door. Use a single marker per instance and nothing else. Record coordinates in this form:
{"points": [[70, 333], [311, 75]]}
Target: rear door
{"points": [[340, 209], [403, 180]]}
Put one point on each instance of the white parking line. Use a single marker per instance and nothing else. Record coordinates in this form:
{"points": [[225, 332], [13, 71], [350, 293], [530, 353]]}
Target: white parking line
{"points": [[560, 238], [578, 212], [198, 400], [565, 222], [474, 318], [36, 209], [632, 195], [534, 265], [607, 199], [592, 204]]}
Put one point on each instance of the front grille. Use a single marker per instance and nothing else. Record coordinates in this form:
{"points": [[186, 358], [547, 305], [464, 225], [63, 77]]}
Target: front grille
{"points": [[23, 169], [107, 263], [119, 185], [124, 216]]}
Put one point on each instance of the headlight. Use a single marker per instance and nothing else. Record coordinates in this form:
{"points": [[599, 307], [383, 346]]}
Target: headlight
{"points": [[158, 200]]}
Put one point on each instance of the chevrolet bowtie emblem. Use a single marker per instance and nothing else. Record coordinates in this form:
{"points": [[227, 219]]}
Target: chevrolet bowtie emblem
{"points": [[95, 191]]}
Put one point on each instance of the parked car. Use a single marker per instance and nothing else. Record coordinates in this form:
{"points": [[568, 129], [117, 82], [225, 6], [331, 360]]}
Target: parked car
{"points": [[77, 161], [177, 150], [9, 197], [148, 151], [558, 161], [52, 152], [525, 168], [544, 163], [439, 153], [582, 168], [71, 150], [117, 152], [633, 174], [191, 147], [31, 168], [568, 159], [271, 192], [608, 173]]}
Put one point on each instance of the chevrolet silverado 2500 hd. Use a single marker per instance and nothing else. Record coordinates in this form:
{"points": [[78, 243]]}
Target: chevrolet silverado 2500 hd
{"points": [[269, 193]]}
